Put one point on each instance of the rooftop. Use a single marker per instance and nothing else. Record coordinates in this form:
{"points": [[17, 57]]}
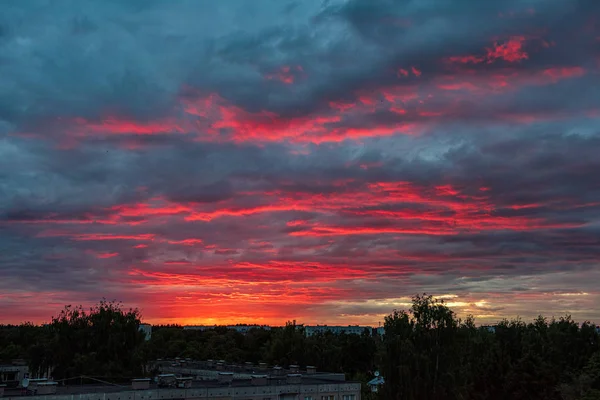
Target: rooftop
{"points": [[190, 367], [196, 384]]}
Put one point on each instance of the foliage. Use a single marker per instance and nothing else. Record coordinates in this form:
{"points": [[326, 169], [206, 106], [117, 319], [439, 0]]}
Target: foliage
{"points": [[279, 346], [103, 341], [426, 352], [431, 354]]}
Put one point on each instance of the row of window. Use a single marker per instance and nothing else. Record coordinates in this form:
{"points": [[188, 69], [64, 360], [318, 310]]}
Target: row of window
{"points": [[331, 397]]}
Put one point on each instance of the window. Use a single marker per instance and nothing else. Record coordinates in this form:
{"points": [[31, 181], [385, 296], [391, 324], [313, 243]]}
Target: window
{"points": [[330, 397], [349, 397], [308, 398]]}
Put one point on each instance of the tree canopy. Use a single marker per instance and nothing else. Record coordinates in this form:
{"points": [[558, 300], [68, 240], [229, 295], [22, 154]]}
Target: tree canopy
{"points": [[102, 341], [429, 353]]}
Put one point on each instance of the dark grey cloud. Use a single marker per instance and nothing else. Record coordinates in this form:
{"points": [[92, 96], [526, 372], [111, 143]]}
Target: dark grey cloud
{"points": [[326, 154]]}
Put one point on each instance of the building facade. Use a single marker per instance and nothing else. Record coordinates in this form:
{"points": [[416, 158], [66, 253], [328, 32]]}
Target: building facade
{"points": [[147, 330]]}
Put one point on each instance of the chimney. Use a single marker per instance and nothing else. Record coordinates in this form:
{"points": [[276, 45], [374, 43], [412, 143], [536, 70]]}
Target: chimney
{"points": [[262, 366], [294, 369], [294, 379], [210, 363], [220, 366], [311, 369], [259, 380], [277, 371], [225, 377]]}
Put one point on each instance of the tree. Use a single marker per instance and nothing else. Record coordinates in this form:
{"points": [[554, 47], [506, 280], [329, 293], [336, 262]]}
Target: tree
{"points": [[420, 355], [587, 385], [102, 341]]}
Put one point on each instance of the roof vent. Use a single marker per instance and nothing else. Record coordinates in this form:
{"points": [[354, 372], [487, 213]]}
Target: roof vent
{"points": [[310, 369], [259, 380]]}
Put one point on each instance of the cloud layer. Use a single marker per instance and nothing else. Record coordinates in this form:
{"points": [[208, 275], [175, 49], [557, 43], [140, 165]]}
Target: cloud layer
{"points": [[312, 160]]}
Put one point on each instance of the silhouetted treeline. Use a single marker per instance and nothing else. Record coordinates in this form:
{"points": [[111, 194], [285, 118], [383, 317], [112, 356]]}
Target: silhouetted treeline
{"points": [[104, 341], [426, 353], [279, 346], [431, 354]]}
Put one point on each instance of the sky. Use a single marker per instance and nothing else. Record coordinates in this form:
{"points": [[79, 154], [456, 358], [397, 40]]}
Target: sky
{"points": [[269, 160]]}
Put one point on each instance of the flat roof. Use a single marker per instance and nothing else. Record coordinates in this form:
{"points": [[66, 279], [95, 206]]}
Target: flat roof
{"points": [[197, 384], [261, 368]]}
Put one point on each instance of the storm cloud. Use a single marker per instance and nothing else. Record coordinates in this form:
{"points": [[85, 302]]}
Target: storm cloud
{"points": [[312, 160]]}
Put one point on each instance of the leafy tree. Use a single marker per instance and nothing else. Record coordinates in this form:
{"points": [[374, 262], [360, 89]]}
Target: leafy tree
{"points": [[99, 342], [430, 354]]}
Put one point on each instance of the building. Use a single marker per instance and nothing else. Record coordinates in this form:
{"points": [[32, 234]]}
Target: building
{"points": [[11, 374], [147, 330], [239, 328], [310, 330], [246, 328], [198, 327], [379, 330], [199, 380]]}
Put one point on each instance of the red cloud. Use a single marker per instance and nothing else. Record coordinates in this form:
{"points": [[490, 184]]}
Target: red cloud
{"points": [[116, 125], [102, 255], [510, 51]]}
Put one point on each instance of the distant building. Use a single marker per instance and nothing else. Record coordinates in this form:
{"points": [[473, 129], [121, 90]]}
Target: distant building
{"points": [[198, 327], [246, 328], [489, 328], [239, 328], [147, 330], [310, 330]]}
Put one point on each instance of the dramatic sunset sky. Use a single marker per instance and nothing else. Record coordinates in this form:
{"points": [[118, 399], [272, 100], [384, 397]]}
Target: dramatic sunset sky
{"points": [[268, 160]]}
